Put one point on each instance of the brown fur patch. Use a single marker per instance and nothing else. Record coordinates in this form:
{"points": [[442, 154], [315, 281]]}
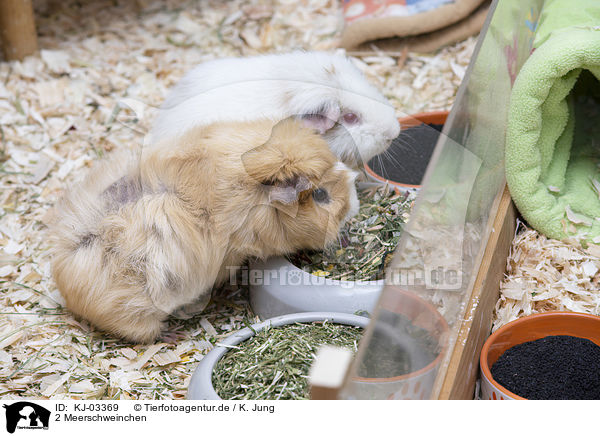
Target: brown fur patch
{"points": [[205, 205]]}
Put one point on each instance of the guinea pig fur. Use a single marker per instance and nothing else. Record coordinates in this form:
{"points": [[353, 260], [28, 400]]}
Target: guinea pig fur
{"points": [[147, 234], [326, 90]]}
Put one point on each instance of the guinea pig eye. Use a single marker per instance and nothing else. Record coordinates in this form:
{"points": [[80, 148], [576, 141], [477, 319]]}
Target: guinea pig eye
{"points": [[320, 195], [350, 118]]}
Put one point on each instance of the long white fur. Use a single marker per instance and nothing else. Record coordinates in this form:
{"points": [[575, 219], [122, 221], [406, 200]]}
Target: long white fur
{"points": [[276, 87]]}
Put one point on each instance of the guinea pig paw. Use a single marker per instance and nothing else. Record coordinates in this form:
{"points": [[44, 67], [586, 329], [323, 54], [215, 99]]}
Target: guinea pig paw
{"points": [[172, 337]]}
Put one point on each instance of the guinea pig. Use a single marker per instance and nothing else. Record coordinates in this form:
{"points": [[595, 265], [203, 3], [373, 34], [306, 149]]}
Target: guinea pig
{"points": [[326, 90], [146, 234]]}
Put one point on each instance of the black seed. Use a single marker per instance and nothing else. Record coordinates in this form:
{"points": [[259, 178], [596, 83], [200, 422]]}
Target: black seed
{"points": [[407, 157], [552, 368]]}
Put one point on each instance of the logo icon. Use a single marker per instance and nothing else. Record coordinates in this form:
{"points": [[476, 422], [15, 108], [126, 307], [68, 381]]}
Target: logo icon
{"points": [[26, 415]]}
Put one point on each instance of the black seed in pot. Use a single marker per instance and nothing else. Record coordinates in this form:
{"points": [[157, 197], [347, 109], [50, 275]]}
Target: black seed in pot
{"points": [[407, 157], [552, 368]]}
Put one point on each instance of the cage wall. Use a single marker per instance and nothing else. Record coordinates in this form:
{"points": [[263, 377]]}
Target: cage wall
{"points": [[406, 348]]}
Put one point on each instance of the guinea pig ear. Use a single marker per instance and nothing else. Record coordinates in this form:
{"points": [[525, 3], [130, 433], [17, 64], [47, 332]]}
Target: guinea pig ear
{"points": [[288, 191], [323, 119]]}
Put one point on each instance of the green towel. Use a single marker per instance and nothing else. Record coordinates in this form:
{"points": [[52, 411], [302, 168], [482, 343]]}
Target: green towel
{"points": [[553, 135]]}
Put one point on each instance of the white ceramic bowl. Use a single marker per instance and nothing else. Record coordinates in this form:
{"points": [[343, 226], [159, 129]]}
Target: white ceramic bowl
{"points": [[201, 387], [279, 287]]}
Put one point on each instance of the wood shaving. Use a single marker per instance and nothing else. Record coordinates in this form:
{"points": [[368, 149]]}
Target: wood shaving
{"points": [[103, 69], [546, 274], [577, 218]]}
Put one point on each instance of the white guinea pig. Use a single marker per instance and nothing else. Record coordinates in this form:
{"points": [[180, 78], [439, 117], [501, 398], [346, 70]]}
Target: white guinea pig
{"points": [[324, 89]]}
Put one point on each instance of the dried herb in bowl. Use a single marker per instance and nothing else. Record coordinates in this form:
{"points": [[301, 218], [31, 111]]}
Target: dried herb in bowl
{"points": [[367, 241], [274, 363]]}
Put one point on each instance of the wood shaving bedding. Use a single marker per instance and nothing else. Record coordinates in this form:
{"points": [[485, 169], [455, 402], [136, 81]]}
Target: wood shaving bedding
{"points": [[546, 274], [103, 69]]}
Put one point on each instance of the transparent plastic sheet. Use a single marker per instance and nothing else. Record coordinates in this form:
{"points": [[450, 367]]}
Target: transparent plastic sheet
{"points": [[415, 325]]}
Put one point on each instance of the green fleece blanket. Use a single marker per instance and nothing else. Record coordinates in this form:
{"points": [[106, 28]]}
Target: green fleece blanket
{"points": [[553, 135]]}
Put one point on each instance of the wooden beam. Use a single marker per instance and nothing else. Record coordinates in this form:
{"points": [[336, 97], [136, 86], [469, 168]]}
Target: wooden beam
{"points": [[17, 29], [328, 372], [463, 367]]}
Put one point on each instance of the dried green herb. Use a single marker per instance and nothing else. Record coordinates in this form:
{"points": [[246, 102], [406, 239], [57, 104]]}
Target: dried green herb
{"points": [[367, 241], [274, 363]]}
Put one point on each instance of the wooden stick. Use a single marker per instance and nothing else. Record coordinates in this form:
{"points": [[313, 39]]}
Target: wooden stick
{"points": [[328, 372], [17, 29], [463, 368], [403, 57]]}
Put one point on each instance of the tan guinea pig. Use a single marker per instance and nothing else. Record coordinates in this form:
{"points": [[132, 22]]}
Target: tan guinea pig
{"points": [[144, 235]]}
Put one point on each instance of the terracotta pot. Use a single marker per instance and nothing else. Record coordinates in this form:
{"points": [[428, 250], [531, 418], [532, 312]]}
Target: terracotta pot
{"points": [[416, 385], [437, 117], [526, 329]]}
